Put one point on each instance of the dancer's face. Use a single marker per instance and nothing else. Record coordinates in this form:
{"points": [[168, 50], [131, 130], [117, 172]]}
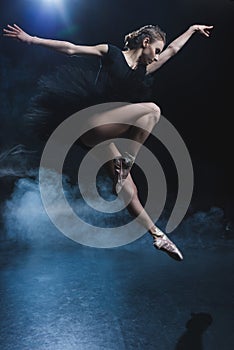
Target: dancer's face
{"points": [[151, 51]]}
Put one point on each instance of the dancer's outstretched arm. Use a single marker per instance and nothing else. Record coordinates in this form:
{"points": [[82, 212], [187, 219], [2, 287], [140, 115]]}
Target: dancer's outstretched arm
{"points": [[66, 47], [177, 44]]}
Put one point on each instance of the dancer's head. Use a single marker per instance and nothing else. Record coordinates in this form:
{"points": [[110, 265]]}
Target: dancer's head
{"points": [[151, 39]]}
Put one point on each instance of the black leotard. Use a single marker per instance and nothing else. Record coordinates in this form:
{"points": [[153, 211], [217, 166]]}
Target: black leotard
{"points": [[119, 82], [84, 82]]}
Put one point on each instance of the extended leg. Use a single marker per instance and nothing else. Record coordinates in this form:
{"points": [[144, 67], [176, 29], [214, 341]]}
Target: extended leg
{"points": [[136, 209]]}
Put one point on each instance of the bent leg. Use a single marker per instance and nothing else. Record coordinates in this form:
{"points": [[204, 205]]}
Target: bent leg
{"points": [[133, 121]]}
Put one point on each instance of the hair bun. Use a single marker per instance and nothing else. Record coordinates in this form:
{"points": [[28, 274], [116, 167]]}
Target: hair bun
{"points": [[134, 39]]}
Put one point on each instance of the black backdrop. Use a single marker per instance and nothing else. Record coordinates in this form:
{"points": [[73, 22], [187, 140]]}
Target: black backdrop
{"points": [[194, 89]]}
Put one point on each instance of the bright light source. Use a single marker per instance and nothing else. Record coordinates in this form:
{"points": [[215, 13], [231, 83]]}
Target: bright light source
{"points": [[53, 2], [58, 5]]}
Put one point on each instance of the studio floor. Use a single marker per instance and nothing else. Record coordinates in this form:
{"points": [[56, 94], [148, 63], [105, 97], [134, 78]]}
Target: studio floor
{"points": [[65, 296]]}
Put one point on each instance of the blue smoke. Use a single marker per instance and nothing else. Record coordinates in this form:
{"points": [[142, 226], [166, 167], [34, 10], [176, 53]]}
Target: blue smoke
{"points": [[25, 219]]}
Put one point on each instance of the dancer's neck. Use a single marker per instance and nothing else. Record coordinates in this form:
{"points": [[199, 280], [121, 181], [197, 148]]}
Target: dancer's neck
{"points": [[132, 57]]}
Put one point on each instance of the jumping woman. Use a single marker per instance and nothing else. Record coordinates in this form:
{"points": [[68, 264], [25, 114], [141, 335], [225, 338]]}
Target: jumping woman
{"points": [[122, 75]]}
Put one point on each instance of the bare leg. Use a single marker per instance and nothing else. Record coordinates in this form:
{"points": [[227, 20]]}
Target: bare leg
{"points": [[134, 206], [141, 130], [135, 122], [129, 189], [140, 118]]}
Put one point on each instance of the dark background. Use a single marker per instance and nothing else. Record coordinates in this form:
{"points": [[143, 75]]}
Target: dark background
{"points": [[57, 294], [193, 89]]}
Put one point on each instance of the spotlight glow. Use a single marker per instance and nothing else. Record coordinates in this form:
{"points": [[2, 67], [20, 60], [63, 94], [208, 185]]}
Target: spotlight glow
{"points": [[57, 5], [53, 2]]}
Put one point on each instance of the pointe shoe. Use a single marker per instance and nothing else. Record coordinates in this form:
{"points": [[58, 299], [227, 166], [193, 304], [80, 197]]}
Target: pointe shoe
{"points": [[122, 166], [162, 242]]}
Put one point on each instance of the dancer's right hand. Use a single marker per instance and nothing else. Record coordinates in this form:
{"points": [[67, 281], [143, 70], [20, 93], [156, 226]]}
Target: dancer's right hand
{"points": [[17, 33]]}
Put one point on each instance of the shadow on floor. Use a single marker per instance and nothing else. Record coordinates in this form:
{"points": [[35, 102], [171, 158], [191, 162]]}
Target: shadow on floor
{"points": [[196, 326]]}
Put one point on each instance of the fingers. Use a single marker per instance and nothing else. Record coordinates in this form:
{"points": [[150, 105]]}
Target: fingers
{"points": [[205, 30], [7, 31], [15, 25], [11, 31], [204, 27], [207, 27], [10, 35], [13, 28]]}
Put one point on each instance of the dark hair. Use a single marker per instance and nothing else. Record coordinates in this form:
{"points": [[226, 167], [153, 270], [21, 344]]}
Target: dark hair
{"points": [[134, 40]]}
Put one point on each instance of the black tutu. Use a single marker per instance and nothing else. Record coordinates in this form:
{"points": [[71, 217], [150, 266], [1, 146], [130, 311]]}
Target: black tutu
{"points": [[83, 82], [70, 88], [80, 83]]}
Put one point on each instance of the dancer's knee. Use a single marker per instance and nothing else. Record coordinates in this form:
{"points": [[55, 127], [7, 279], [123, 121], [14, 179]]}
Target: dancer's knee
{"points": [[154, 111]]}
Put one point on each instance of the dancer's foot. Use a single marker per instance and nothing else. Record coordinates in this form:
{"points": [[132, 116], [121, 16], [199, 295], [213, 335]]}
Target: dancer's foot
{"points": [[122, 166], [162, 242]]}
